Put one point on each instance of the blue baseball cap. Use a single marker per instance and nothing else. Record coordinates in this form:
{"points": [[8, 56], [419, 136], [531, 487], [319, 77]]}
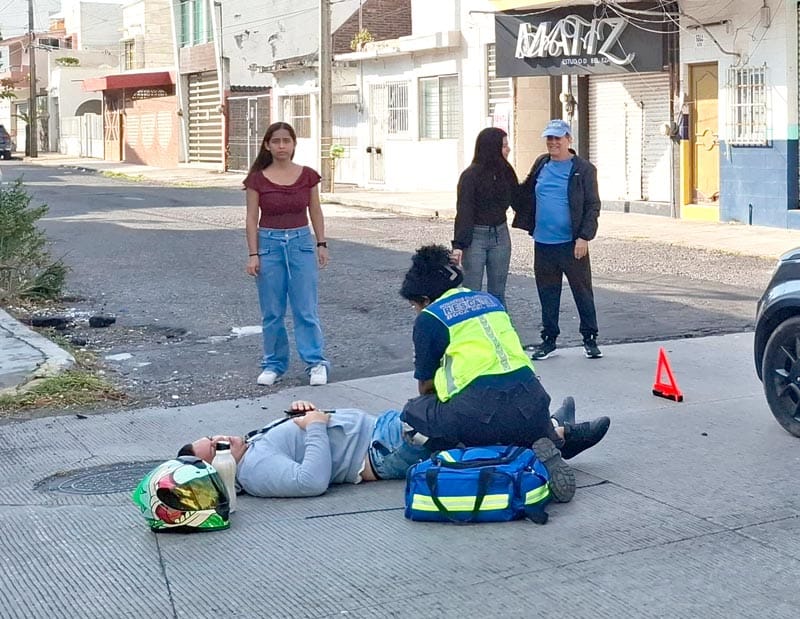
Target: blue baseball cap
{"points": [[556, 128]]}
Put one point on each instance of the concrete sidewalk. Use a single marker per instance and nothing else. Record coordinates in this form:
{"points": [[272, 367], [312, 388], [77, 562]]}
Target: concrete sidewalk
{"points": [[684, 510]]}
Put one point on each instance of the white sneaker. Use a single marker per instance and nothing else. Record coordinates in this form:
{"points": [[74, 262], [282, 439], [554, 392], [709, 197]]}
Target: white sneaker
{"points": [[267, 378], [318, 376]]}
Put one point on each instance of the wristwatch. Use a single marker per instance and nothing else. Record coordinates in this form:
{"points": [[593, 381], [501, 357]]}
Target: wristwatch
{"points": [[322, 243]]}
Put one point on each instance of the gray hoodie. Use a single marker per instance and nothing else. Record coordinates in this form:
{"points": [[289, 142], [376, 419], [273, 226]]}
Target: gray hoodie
{"points": [[290, 462]]}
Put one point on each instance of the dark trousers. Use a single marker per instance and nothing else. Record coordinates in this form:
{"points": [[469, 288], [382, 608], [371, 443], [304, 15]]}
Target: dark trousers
{"points": [[550, 264], [517, 414]]}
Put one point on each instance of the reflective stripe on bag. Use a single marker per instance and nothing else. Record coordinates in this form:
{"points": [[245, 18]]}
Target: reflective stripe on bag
{"points": [[491, 502]]}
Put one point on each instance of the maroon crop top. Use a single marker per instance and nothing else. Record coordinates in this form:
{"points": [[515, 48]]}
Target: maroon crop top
{"points": [[283, 206]]}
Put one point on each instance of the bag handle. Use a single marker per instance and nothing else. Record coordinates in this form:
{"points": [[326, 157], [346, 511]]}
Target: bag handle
{"points": [[432, 479], [510, 454]]}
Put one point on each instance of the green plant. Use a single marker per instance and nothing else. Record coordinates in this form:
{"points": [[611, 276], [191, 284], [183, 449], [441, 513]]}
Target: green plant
{"points": [[360, 39], [27, 271], [7, 89], [336, 152], [73, 387], [68, 61]]}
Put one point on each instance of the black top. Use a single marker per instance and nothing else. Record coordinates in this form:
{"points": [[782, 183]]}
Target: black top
{"points": [[483, 198]]}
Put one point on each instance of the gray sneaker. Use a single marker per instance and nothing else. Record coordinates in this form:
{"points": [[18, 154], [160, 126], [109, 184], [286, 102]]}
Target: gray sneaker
{"points": [[562, 477]]}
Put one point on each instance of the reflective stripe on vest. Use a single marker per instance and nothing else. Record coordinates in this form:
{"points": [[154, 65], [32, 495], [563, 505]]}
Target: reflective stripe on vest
{"points": [[482, 340]]}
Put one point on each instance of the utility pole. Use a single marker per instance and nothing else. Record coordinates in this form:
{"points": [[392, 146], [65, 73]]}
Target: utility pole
{"points": [[33, 150], [325, 99]]}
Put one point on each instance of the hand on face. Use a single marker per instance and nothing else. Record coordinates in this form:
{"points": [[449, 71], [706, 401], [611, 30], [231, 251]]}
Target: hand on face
{"points": [[206, 448]]}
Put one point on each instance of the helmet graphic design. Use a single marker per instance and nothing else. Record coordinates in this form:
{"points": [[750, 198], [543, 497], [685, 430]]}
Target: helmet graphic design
{"points": [[183, 494]]}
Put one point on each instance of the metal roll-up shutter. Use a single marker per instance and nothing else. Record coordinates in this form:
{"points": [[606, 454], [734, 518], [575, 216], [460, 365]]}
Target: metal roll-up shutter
{"points": [[205, 119], [631, 155]]}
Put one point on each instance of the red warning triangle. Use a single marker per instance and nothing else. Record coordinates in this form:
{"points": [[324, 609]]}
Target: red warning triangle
{"points": [[663, 389]]}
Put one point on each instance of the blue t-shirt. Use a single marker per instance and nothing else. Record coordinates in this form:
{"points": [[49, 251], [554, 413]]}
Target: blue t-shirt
{"points": [[553, 221]]}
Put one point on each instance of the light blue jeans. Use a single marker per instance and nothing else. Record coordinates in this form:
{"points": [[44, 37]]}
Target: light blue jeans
{"points": [[289, 271], [390, 452], [490, 251]]}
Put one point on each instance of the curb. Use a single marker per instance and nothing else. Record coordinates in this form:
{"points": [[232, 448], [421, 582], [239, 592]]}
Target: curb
{"points": [[56, 359], [388, 207]]}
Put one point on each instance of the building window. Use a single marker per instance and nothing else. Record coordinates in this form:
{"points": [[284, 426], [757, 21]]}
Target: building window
{"points": [[297, 112], [747, 106], [195, 23], [397, 93], [129, 55], [498, 88], [440, 108]]}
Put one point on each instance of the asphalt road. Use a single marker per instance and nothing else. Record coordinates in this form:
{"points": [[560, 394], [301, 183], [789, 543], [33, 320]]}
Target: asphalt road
{"points": [[169, 263]]}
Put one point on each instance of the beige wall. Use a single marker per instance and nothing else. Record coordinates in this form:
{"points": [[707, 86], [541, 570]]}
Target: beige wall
{"points": [[531, 113]]}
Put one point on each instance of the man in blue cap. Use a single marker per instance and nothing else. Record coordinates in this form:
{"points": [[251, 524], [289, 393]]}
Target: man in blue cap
{"points": [[559, 206]]}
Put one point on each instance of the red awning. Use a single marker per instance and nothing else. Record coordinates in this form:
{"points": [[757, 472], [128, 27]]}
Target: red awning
{"points": [[129, 80]]}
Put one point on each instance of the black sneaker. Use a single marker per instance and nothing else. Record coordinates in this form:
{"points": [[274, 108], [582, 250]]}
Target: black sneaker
{"points": [[590, 348], [580, 436], [565, 414], [546, 349], [562, 477]]}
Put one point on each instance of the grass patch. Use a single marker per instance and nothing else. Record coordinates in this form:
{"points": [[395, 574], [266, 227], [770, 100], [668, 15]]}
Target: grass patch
{"points": [[84, 359], [69, 388], [122, 176]]}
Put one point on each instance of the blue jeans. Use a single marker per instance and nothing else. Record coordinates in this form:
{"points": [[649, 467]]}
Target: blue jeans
{"points": [[288, 271], [490, 251], [390, 454]]}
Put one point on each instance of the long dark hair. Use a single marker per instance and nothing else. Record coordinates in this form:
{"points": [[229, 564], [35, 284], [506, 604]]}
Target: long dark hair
{"points": [[489, 160], [264, 156]]}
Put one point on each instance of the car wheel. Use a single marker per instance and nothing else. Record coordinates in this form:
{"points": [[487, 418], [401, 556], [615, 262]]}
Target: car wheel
{"points": [[781, 374]]}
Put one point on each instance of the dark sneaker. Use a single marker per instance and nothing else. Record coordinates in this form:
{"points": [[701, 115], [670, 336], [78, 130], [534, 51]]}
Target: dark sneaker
{"points": [[580, 436], [590, 348], [546, 349], [562, 477], [565, 414]]}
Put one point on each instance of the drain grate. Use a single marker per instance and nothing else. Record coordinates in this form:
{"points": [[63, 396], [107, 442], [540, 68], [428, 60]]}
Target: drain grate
{"points": [[105, 479]]}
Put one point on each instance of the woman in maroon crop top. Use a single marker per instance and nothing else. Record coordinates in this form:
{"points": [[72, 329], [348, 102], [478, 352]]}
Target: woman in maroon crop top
{"points": [[283, 256]]}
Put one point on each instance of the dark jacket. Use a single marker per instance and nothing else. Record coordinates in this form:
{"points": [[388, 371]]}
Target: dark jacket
{"points": [[482, 199], [584, 201]]}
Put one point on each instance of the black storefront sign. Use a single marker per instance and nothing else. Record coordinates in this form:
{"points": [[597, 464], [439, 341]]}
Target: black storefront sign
{"points": [[579, 40]]}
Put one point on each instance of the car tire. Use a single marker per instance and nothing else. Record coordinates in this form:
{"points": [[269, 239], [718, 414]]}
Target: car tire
{"points": [[781, 374]]}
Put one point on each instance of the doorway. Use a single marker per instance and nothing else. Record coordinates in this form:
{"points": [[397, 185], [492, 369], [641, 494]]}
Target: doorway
{"points": [[704, 131]]}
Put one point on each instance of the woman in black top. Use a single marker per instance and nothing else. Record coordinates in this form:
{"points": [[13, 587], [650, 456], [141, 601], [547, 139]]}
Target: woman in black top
{"points": [[485, 191]]}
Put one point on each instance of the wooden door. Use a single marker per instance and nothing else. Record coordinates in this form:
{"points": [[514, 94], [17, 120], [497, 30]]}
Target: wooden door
{"points": [[704, 84], [112, 120]]}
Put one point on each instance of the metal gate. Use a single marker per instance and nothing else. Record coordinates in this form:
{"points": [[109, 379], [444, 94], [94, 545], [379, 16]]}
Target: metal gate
{"points": [[205, 119], [248, 118], [631, 155], [378, 112]]}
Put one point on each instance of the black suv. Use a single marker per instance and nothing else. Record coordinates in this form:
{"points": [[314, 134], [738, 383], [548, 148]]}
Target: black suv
{"points": [[777, 342], [5, 143]]}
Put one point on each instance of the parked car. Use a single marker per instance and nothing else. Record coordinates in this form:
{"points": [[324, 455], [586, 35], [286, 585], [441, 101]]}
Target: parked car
{"points": [[777, 342], [5, 143]]}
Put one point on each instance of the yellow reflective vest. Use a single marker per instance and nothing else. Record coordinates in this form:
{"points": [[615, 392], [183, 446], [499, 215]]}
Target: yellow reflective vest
{"points": [[482, 340]]}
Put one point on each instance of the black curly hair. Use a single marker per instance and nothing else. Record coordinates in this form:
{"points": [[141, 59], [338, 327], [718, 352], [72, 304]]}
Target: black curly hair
{"points": [[430, 275]]}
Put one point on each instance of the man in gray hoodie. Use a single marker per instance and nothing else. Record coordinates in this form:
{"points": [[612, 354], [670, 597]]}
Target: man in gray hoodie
{"points": [[302, 455]]}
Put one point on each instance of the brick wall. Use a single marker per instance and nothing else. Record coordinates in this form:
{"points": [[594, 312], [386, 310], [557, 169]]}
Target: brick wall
{"points": [[385, 19]]}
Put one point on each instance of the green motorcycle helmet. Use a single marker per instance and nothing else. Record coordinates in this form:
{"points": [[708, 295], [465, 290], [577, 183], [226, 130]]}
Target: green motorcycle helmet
{"points": [[184, 494]]}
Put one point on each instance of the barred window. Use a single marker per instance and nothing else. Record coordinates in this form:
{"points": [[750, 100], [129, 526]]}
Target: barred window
{"points": [[398, 107], [747, 121], [297, 112], [498, 88], [129, 55], [440, 108]]}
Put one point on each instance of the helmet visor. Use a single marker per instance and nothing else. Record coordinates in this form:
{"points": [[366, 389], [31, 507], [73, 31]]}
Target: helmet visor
{"points": [[197, 494]]}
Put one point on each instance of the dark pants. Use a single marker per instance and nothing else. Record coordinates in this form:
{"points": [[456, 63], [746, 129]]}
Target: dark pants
{"points": [[517, 414], [550, 264]]}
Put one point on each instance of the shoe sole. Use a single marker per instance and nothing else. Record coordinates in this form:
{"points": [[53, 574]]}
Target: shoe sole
{"points": [[277, 380], [543, 357], [588, 356], [562, 477]]}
